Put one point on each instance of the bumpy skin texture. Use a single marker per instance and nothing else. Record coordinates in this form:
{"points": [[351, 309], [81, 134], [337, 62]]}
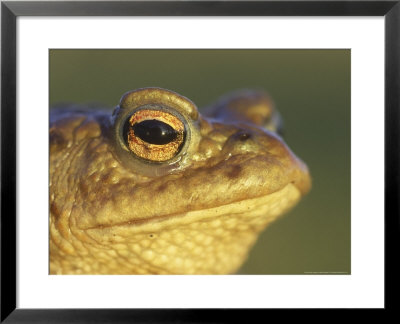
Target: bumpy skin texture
{"points": [[200, 218]]}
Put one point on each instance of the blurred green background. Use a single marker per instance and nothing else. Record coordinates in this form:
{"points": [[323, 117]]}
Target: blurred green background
{"points": [[311, 89]]}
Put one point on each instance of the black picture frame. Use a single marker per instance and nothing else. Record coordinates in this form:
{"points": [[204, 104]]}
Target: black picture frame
{"points": [[10, 10]]}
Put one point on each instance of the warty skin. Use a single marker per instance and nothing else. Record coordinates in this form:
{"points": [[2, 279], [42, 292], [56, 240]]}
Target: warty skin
{"points": [[197, 213]]}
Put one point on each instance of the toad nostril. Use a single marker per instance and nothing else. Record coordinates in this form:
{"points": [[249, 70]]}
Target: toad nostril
{"points": [[244, 136]]}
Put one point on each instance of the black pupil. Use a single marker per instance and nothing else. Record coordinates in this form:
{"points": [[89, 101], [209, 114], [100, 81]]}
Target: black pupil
{"points": [[155, 132]]}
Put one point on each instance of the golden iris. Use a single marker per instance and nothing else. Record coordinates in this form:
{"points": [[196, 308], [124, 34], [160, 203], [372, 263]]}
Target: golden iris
{"points": [[154, 135]]}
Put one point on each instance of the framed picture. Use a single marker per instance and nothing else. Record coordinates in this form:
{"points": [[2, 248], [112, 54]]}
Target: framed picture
{"points": [[328, 80]]}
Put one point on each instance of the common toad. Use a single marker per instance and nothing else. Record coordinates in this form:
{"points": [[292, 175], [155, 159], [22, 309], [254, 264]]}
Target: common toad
{"points": [[157, 188]]}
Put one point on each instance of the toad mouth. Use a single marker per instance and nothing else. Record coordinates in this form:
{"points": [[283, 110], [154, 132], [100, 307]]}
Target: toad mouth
{"points": [[268, 207]]}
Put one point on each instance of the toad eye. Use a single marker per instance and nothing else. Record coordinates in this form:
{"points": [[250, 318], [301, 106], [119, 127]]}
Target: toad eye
{"points": [[155, 131], [154, 135]]}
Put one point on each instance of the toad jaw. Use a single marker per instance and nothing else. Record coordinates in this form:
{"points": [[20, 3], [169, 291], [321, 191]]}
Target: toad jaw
{"points": [[210, 241]]}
